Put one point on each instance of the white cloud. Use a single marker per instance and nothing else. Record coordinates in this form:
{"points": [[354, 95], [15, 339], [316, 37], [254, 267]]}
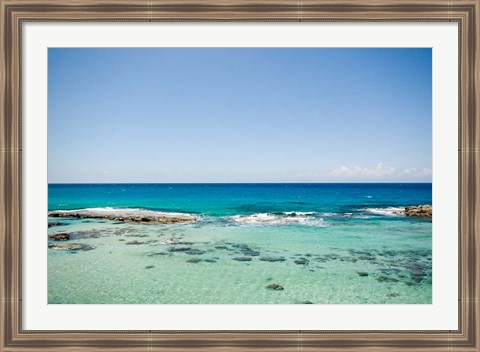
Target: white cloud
{"points": [[377, 172], [414, 172], [381, 171]]}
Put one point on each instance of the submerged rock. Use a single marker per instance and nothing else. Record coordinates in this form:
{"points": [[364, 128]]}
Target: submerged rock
{"points": [[383, 278], [60, 237], [194, 260], [301, 261], [276, 287], [139, 216], [194, 252], [51, 224], [362, 273], [153, 254], [272, 259], [70, 247], [134, 243], [179, 249], [250, 252], [242, 259]]}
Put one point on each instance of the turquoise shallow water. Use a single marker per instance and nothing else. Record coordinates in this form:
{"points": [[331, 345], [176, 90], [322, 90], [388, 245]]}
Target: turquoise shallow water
{"points": [[322, 243]]}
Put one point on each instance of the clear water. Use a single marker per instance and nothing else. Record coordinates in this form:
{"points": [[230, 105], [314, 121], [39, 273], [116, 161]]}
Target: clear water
{"points": [[322, 243]]}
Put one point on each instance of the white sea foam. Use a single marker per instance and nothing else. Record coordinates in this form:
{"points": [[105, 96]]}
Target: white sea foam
{"points": [[299, 213], [110, 210], [362, 217], [390, 211], [285, 218]]}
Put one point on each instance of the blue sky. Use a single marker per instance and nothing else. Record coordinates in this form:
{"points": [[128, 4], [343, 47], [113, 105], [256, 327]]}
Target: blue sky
{"points": [[239, 115]]}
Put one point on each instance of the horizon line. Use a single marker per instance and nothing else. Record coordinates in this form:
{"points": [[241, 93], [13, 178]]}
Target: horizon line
{"points": [[218, 183]]}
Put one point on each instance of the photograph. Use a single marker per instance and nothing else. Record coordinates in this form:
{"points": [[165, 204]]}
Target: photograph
{"points": [[239, 176]]}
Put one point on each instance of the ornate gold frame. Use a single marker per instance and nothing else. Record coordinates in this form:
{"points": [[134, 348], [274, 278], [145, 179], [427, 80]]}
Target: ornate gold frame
{"points": [[13, 13]]}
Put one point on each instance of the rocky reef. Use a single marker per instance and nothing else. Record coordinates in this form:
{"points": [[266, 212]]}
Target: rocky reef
{"points": [[424, 211], [60, 237], [71, 247], [138, 216]]}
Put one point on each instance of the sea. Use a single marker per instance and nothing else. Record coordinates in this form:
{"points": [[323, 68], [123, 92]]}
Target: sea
{"points": [[281, 243]]}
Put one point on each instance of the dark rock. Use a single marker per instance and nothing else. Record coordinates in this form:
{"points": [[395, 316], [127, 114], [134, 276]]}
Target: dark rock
{"points": [[390, 271], [51, 224], [150, 266], [242, 259], [417, 273], [250, 252], [366, 257], [179, 249], [304, 302], [332, 256], [210, 260], [134, 243], [362, 273], [276, 287], [153, 254], [301, 261], [86, 234], [60, 237], [136, 235], [272, 259], [383, 278], [194, 252], [194, 260], [424, 211], [239, 245]]}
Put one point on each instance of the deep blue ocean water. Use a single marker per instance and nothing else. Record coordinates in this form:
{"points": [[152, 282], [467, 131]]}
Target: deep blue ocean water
{"points": [[233, 199], [322, 243]]}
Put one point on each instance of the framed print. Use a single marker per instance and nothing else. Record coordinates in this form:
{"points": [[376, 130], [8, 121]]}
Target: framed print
{"points": [[239, 175]]}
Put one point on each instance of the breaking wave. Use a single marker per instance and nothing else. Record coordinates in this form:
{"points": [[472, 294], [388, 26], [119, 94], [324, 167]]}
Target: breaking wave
{"points": [[284, 218], [390, 211], [117, 211]]}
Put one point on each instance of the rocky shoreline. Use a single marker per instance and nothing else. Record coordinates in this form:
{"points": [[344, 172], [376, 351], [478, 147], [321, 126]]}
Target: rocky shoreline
{"points": [[424, 211], [138, 216]]}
